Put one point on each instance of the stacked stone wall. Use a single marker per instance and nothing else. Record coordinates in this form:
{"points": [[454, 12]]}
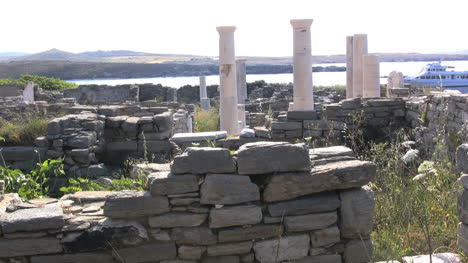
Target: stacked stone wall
{"points": [[377, 117], [270, 202]]}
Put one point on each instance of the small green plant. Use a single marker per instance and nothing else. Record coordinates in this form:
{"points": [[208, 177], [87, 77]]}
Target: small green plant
{"points": [[33, 184], [80, 184]]}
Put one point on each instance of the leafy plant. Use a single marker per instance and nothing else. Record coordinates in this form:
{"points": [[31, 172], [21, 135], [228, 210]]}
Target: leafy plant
{"points": [[80, 184]]}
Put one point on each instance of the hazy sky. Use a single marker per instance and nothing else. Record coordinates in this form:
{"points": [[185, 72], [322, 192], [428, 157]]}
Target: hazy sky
{"points": [[263, 29]]}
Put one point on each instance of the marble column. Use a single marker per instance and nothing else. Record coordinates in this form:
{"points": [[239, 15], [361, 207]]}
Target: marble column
{"points": [[241, 91], [371, 76], [359, 50], [302, 65], [228, 87], [204, 100], [349, 67], [28, 92], [241, 81]]}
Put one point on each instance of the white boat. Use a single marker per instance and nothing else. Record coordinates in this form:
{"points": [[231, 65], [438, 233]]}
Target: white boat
{"points": [[436, 75]]}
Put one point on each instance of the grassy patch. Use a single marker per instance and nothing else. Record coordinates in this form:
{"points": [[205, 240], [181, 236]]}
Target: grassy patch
{"points": [[206, 120], [412, 217], [23, 130]]}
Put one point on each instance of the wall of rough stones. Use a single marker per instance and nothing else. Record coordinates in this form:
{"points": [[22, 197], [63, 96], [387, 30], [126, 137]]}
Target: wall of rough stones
{"points": [[440, 116], [377, 116], [462, 205], [95, 94], [211, 207]]}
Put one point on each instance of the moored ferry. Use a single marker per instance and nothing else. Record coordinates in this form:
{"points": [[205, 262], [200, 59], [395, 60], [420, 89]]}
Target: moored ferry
{"points": [[436, 75]]}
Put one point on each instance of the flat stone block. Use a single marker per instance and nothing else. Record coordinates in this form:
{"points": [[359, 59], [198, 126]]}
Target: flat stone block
{"points": [[235, 216], [130, 204], [230, 249], [333, 176], [74, 258], [249, 233], [166, 183], [285, 249], [198, 136], [302, 115], [228, 189], [313, 204], [272, 157], [147, 253], [287, 126], [171, 220], [329, 152], [310, 222], [357, 213], [28, 247], [204, 160], [325, 237], [436, 258], [193, 236], [32, 220]]}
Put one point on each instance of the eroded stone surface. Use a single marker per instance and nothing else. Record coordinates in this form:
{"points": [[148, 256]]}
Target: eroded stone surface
{"points": [[204, 160], [312, 204], [34, 219], [228, 189], [130, 204], [334, 176], [357, 213], [166, 183], [235, 216], [284, 249], [272, 157]]}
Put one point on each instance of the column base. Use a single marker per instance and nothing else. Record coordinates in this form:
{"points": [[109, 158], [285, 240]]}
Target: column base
{"points": [[303, 103], [228, 115], [205, 104]]}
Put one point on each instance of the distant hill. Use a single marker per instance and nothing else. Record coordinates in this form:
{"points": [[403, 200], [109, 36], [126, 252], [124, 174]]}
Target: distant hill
{"points": [[115, 53], [54, 55]]}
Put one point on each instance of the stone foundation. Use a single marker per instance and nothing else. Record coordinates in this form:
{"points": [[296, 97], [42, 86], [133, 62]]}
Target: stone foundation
{"points": [[213, 207]]}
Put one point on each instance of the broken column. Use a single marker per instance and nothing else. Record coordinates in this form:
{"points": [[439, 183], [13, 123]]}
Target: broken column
{"points": [[349, 67], [359, 50], [371, 76], [28, 92], [228, 87], [204, 100], [302, 65]]}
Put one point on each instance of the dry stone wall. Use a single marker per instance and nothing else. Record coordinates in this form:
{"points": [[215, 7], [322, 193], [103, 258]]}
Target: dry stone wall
{"points": [[308, 206], [376, 116]]}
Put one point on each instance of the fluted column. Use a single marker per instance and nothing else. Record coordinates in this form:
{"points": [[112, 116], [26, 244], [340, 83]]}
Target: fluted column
{"points": [[204, 100], [349, 67], [228, 87], [371, 76], [302, 65], [359, 50]]}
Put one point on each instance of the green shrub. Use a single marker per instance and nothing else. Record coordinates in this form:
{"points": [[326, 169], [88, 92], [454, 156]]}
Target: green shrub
{"points": [[31, 185], [43, 82], [206, 120], [23, 130]]}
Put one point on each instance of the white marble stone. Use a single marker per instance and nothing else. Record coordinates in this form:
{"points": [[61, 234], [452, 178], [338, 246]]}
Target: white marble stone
{"points": [[28, 92], [302, 65], [241, 81], [204, 100], [349, 67], [371, 76], [199, 136], [359, 50], [241, 115], [228, 82]]}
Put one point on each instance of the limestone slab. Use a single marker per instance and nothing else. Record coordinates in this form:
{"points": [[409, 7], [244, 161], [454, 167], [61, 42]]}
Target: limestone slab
{"points": [[170, 220], [130, 204], [228, 189], [27, 247], [325, 236], [31, 220], [329, 152], [313, 204], [333, 176], [193, 236], [166, 183], [285, 249], [357, 213], [272, 157], [249, 233], [235, 216], [199, 136], [202, 160], [239, 248], [436, 258], [147, 253], [310, 222]]}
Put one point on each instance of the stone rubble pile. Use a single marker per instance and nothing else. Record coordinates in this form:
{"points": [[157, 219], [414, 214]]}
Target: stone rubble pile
{"points": [[266, 203]]}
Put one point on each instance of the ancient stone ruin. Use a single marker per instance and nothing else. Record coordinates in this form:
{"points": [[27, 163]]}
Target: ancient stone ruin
{"points": [[209, 207]]}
